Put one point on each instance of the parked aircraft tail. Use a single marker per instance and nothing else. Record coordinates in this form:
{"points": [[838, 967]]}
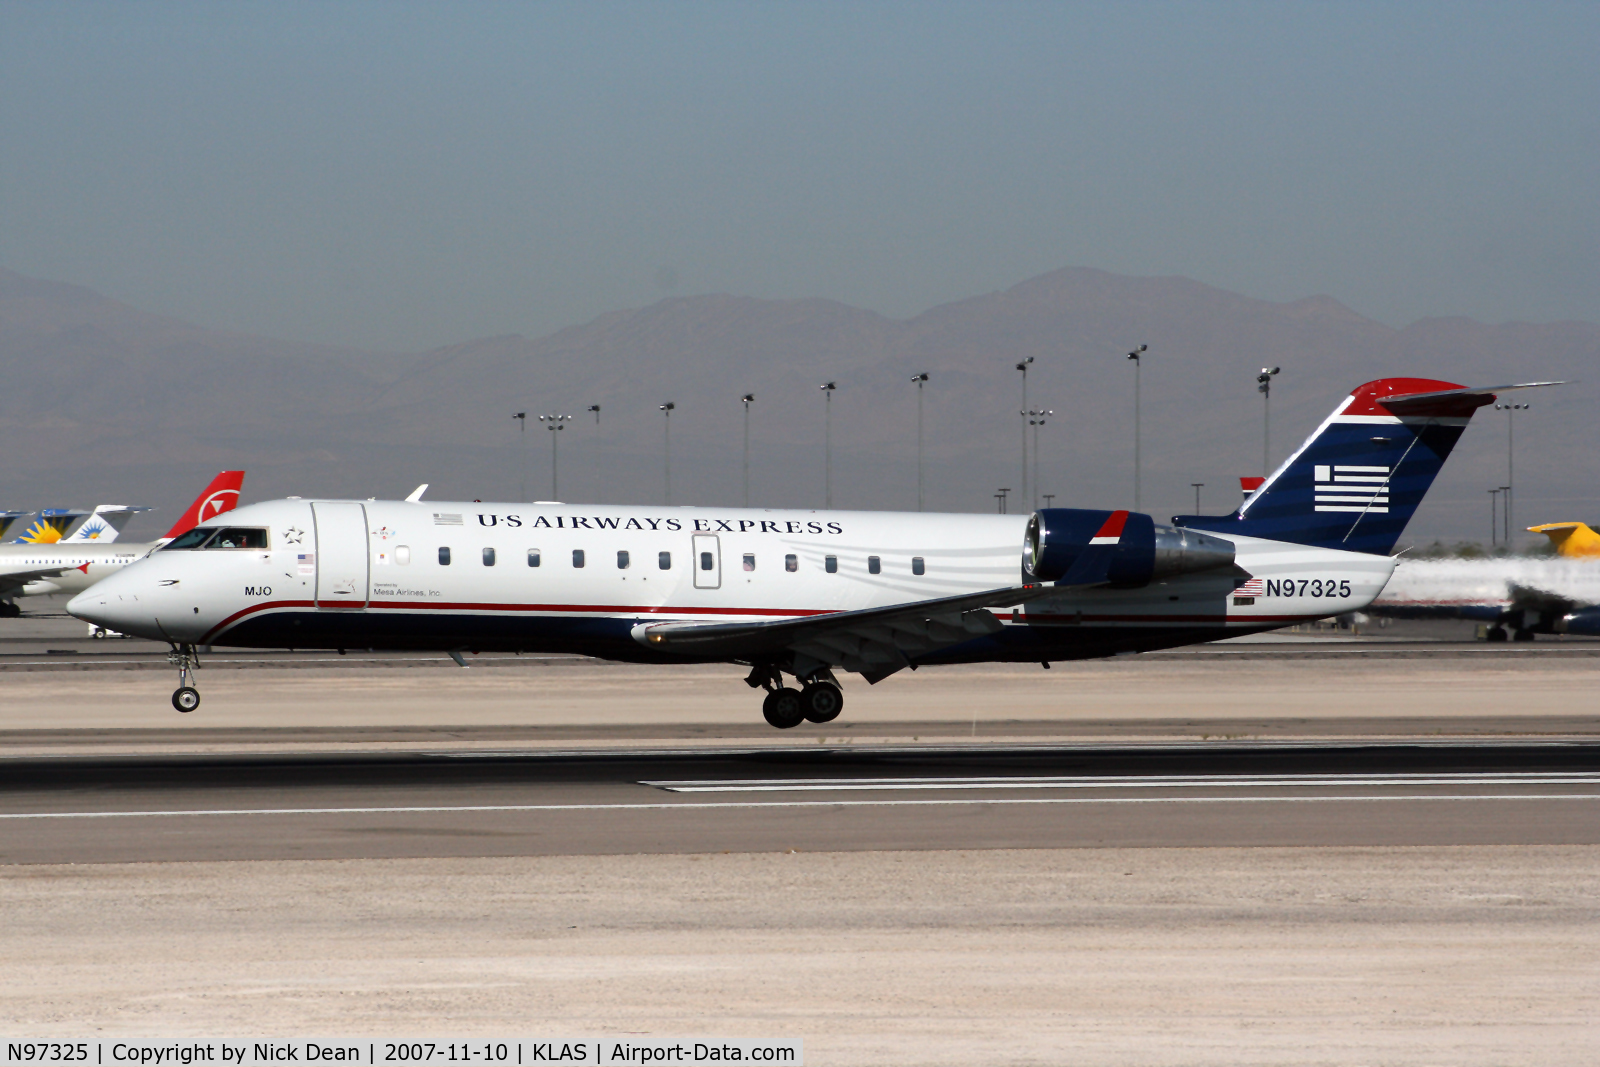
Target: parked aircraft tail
{"points": [[1357, 480], [221, 495], [104, 525], [49, 526], [7, 518], [1572, 539]]}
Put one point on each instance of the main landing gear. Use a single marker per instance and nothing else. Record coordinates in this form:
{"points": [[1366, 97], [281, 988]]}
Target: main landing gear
{"points": [[818, 700], [186, 697]]}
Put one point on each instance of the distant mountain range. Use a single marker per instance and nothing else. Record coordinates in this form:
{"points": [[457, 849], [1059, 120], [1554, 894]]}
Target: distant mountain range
{"points": [[108, 403]]}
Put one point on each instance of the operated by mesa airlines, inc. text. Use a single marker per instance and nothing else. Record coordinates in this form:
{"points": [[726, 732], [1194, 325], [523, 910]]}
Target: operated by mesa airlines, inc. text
{"points": [[593, 1052]]}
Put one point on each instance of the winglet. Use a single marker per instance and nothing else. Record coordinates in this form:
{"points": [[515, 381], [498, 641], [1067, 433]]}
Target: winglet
{"points": [[416, 494]]}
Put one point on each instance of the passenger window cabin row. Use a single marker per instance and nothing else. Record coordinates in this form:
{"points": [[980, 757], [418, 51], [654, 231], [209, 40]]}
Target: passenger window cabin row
{"points": [[708, 562]]}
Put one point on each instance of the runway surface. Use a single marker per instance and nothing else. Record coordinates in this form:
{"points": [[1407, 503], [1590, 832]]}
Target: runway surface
{"points": [[482, 803]]}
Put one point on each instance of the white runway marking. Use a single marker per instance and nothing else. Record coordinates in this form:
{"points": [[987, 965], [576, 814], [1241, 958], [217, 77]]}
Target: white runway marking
{"points": [[1141, 781], [777, 804]]}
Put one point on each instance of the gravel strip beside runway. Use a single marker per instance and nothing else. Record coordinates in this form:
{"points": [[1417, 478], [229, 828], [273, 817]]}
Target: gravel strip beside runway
{"points": [[1109, 956]]}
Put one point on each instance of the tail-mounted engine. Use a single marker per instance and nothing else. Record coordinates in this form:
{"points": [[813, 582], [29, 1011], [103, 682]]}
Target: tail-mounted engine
{"points": [[1126, 549]]}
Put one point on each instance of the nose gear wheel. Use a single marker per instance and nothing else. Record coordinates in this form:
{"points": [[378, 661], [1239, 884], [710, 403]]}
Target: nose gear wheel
{"points": [[186, 697]]}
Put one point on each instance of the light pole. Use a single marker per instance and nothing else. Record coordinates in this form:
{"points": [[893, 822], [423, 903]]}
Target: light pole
{"points": [[827, 443], [1494, 519], [1511, 496], [921, 380], [666, 450], [1505, 514], [599, 461], [747, 400], [1138, 368], [1023, 413], [1264, 387], [1197, 487], [1000, 495], [1036, 420], [1049, 500], [554, 423], [522, 432]]}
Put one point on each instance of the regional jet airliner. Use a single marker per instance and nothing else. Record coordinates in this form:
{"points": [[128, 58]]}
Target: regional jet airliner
{"points": [[802, 593]]}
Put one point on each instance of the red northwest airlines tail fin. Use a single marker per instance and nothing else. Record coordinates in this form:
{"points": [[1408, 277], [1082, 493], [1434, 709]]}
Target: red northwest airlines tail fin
{"points": [[221, 495]]}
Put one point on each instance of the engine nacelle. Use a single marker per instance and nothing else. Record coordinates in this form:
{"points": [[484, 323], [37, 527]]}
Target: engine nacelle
{"points": [[1075, 546], [1585, 623]]}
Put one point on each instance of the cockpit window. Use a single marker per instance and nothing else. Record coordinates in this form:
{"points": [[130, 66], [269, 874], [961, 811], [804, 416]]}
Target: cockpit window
{"points": [[193, 539], [209, 537], [239, 537]]}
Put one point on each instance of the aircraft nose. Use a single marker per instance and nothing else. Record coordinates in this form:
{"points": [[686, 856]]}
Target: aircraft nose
{"points": [[115, 604]]}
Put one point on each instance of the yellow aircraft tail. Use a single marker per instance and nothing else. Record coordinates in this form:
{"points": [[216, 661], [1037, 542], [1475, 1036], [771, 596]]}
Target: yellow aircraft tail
{"points": [[1573, 539]]}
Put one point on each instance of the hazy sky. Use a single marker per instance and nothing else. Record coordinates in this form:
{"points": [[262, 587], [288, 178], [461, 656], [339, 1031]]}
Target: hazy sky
{"points": [[403, 176]]}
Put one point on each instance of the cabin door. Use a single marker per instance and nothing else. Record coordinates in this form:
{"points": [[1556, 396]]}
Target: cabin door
{"points": [[341, 555]]}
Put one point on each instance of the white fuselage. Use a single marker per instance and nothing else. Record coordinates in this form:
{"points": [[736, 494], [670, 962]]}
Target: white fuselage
{"points": [[1446, 585], [81, 564], [373, 574]]}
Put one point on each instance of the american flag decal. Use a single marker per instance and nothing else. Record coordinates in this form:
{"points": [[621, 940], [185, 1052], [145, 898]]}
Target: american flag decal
{"points": [[1352, 488], [1253, 587]]}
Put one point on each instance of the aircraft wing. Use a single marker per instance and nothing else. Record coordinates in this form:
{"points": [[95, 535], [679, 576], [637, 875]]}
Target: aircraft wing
{"points": [[873, 642], [11, 582]]}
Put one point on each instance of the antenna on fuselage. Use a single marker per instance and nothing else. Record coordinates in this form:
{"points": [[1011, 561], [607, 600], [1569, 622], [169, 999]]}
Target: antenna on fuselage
{"points": [[416, 494]]}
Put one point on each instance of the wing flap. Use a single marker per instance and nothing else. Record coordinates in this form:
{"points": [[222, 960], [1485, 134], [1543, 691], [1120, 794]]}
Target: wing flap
{"points": [[873, 642]]}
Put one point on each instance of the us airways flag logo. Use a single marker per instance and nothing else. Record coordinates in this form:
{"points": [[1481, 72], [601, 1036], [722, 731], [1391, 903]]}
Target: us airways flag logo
{"points": [[1352, 488]]}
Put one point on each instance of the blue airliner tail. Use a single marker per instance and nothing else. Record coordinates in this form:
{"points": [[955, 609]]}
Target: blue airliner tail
{"points": [[1357, 480]]}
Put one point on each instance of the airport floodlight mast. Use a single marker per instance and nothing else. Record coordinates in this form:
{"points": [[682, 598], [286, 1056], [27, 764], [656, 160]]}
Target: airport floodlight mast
{"points": [[1511, 496], [921, 380], [1023, 412], [666, 450], [1036, 420], [827, 443], [522, 432], [554, 423], [1049, 500], [1138, 368], [595, 408], [1197, 486], [1264, 387], [1505, 514], [1000, 496], [747, 400], [1494, 519]]}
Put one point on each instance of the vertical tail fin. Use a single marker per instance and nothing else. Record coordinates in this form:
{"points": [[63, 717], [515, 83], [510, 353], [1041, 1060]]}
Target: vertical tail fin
{"points": [[221, 495], [105, 525], [48, 526], [1572, 539], [1357, 480]]}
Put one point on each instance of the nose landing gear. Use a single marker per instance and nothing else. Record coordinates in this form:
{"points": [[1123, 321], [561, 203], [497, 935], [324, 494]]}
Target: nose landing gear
{"points": [[186, 697], [818, 700]]}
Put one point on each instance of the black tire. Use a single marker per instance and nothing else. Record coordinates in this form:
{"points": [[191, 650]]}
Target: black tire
{"points": [[1496, 633], [9, 610], [822, 701], [783, 709], [186, 698]]}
